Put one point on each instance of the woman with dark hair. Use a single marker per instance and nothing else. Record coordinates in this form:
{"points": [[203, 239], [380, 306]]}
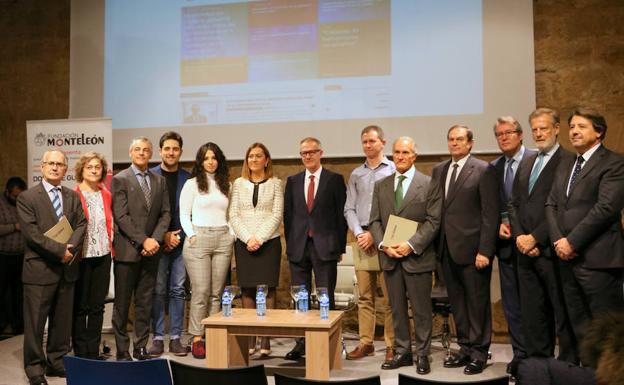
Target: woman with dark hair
{"points": [[208, 246], [95, 256], [256, 210]]}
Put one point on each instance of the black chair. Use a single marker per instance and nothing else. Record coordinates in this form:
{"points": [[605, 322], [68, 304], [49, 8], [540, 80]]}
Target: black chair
{"points": [[280, 379], [407, 380], [82, 371], [195, 375]]}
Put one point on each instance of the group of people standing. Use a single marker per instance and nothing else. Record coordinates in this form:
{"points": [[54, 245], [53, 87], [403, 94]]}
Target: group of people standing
{"points": [[553, 220]]}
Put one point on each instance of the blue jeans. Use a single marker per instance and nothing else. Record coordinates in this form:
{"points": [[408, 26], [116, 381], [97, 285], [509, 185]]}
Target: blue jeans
{"points": [[169, 283]]}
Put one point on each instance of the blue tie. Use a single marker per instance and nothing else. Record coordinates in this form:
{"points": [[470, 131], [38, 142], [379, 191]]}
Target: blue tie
{"points": [[56, 202], [536, 171], [509, 177]]}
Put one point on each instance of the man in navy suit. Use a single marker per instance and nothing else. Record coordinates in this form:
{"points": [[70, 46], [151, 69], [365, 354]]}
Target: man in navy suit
{"points": [[171, 270], [315, 229], [508, 132], [467, 244], [541, 305], [584, 213]]}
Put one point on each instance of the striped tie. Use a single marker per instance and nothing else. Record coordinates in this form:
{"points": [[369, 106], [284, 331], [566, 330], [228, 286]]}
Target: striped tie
{"points": [[56, 202], [146, 190]]}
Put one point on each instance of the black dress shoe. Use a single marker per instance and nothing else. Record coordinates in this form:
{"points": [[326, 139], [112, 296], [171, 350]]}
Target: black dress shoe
{"points": [[125, 356], [140, 354], [404, 359], [39, 380], [512, 367], [297, 352], [474, 367], [422, 365], [51, 372], [456, 361]]}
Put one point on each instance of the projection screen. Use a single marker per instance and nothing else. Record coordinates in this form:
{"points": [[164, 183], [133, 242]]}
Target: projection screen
{"points": [[236, 72]]}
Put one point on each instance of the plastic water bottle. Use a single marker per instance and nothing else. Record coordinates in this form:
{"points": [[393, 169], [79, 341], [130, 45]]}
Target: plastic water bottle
{"points": [[260, 301], [302, 303], [226, 303], [324, 305]]}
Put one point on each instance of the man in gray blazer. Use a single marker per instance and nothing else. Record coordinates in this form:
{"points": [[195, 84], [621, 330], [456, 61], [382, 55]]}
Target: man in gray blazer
{"points": [[467, 244], [408, 266], [584, 213], [49, 271], [141, 213]]}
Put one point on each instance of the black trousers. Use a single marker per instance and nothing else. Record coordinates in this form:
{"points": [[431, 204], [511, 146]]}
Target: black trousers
{"points": [[589, 293], [91, 289], [469, 294], [138, 279], [543, 310], [12, 291], [325, 272]]}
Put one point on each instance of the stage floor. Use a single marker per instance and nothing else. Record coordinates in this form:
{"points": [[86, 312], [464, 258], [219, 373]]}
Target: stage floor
{"points": [[12, 372]]}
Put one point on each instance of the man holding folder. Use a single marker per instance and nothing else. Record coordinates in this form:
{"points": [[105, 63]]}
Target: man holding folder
{"points": [[407, 261], [49, 270]]}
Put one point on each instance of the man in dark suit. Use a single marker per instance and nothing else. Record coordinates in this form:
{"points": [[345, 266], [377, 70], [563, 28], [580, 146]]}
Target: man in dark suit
{"points": [[407, 266], [49, 271], [585, 221], [315, 229], [468, 233], [141, 213], [541, 305], [171, 271], [508, 132]]}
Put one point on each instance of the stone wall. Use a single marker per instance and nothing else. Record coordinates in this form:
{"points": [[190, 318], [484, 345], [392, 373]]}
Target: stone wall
{"points": [[34, 73], [579, 60]]}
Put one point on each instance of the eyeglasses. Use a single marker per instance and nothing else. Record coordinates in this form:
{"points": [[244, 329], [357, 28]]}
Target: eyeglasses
{"points": [[505, 133], [55, 164], [309, 153]]}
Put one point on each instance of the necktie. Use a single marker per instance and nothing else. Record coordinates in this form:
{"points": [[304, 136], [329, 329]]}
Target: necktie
{"points": [[146, 190], [509, 177], [56, 202], [536, 171], [310, 201], [576, 172], [453, 178], [398, 193]]}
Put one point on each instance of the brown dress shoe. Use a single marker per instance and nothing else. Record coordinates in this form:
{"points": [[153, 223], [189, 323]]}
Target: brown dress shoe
{"points": [[361, 351], [389, 354]]}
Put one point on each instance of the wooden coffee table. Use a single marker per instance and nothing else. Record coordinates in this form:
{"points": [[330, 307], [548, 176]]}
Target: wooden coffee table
{"points": [[227, 340]]}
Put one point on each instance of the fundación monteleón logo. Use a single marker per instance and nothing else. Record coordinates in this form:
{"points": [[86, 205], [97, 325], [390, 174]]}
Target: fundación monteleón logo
{"points": [[67, 139]]}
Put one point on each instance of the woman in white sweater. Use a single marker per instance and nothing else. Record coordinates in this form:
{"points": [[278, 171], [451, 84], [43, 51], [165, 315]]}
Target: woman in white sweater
{"points": [[256, 210], [208, 245]]}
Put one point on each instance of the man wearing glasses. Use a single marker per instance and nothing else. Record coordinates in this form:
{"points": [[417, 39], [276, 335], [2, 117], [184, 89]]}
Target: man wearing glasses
{"points": [[314, 225], [508, 132], [49, 270]]}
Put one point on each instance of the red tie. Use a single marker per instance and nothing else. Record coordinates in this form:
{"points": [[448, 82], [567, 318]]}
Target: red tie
{"points": [[310, 201]]}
